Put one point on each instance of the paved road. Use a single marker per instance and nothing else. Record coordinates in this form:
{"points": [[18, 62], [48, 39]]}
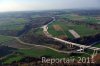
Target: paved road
{"points": [[45, 30], [24, 43]]}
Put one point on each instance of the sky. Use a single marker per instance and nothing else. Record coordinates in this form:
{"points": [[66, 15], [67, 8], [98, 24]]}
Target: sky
{"points": [[27, 5]]}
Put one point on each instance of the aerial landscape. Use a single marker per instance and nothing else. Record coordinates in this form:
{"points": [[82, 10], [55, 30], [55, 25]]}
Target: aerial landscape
{"points": [[49, 35]]}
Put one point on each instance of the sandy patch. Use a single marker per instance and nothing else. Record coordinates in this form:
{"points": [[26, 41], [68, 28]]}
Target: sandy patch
{"points": [[62, 37], [57, 27], [74, 33]]}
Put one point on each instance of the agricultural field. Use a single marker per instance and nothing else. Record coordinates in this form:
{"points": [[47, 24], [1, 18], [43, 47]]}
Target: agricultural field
{"points": [[11, 26], [5, 39], [12, 23], [35, 52], [9, 41], [82, 30], [97, 45], [76, 17], [28, 33], [56, 33], [38, 31], [12, 58]]}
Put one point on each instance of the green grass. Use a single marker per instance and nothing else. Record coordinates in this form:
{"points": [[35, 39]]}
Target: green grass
{"points": [[92, 19], [11, 27], [11, 59], [38, 53], [5, 38], [20, 20], [89, 51], [88, 19], [58, 33], [82, 30], [97, 45], [38, 32], [14, 24]]}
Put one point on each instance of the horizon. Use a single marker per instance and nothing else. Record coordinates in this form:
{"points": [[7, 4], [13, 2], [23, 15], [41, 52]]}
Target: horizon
{"points": [[44, 10], [43, 5]]}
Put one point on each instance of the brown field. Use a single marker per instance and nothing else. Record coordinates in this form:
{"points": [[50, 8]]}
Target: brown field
{"points": [[62, 37], [77, 17], [97, 58], [97, 18], [57, 27]]}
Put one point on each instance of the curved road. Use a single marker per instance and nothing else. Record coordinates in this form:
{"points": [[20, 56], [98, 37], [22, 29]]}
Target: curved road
{"points": [[39, 45], [45, 30]]}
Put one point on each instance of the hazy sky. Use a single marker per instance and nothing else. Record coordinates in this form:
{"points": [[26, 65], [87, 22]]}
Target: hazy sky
{"points": [[21, 5]]}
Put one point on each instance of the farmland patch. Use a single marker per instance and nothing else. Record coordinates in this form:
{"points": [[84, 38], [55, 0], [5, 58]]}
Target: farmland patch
{"points": [[57, 27]]}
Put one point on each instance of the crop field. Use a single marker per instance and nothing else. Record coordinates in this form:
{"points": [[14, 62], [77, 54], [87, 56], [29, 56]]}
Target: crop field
{"points": [[76, 17], [57, 27], [5, 39], [12, 58], [22, 35], [82, 30], [97, 45], [65, 31], [38, 31], [35, 52], [11, 42], [12, 24]]}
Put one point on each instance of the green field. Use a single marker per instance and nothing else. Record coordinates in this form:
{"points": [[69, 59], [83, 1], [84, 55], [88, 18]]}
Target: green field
{"points": [[12, 58], [88, 19], [97, 45], [19, 23], [4, 39], [82, 30], [38, 31], [58, 33], [37, 54], [44, 52], [13, 24]]}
